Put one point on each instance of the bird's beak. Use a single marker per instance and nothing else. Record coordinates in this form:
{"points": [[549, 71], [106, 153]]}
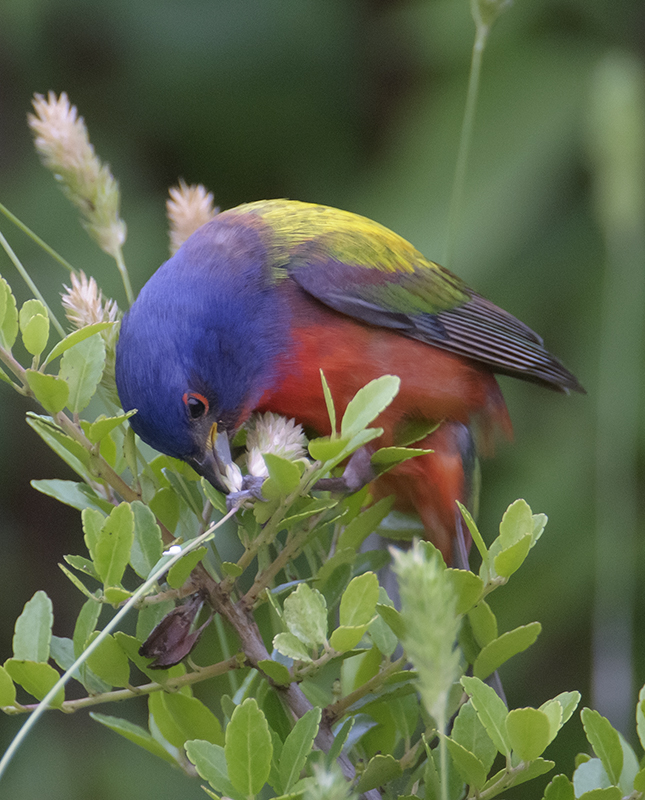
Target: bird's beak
{"points": [[217, 458]]}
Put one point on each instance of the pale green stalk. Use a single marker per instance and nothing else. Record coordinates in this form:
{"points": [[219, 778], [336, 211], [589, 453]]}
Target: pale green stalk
{"points": [[141, 591], [617, 129], [484, 13], [34, 237], [32, 286]]}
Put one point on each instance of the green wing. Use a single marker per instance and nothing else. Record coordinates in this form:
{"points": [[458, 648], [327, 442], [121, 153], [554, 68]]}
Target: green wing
{"points": [[361, 269]]}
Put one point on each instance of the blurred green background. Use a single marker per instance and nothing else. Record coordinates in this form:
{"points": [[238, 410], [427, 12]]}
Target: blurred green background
{"points": [[356, 105]]}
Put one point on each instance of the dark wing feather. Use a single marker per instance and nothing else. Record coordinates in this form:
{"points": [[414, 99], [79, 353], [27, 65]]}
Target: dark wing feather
{"points": [[457, 319], [361, 269]]}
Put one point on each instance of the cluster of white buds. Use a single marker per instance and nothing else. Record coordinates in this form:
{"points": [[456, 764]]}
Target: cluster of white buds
{"points": [[188, 208], [64, 147], [271, 433], [266, 433]]}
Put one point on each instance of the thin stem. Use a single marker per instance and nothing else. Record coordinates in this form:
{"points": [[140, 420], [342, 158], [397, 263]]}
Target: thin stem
{"points": [[467, 126], [124, 276], [288, 552], [202, 674], [34, 237], [336, 710], [141, 591], [16, 368], [34, 289]]}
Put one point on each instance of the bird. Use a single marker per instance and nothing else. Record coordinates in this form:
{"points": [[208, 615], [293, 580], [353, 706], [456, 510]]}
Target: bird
{"points": [[261, 298]]}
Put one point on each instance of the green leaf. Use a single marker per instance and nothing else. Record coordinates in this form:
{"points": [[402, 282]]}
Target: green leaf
{"points": [[560, 788], [358, 603], [232, 569], [539, 524], [133, 733], [103, 426], [392, 618], [112, 550], [605, 742], [569, 702], [284, 476], [327, 448], [147, 545], [290, 646], [469, 732], [491, 711], [553, 711], [7, 689], [33, 629], [179, 573], [92, 521], [630, 767], [368, 403], [346, 637], [36, 678], [365, 523], [72, 452], [51, 392], [504, 647], [340, 740], [470, 767], [380, 631], [108, 661], [8, 316], [181, 718], [529, 732], [210, 762], [30, 308], [83, 565], [511, 559], [76, 581], [468, 588], [248, 748], [165, 505], [610, 793], [640, 716], [82, 367], [71, 493], [215, 498], [35, 327], [516, 523], [329, 402], [639, 781], [380, 770], [305, 614], [388, 457], [474, 532], [278, 673], [75, 337], [590, 776], [483, 623], [297, 747]]}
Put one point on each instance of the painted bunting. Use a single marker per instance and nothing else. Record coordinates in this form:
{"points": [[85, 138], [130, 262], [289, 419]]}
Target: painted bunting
{"points": [[261, 298]]}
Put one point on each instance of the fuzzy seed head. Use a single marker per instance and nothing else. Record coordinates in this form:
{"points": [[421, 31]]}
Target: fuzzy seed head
{"points": [[188, 208], [62, 141]]}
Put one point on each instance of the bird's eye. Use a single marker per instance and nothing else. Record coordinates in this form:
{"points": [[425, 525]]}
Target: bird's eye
{"points": [[196, 404]]}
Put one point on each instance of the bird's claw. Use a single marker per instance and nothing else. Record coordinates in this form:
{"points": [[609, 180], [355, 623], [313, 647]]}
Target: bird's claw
{"points": [[251, 490], [358, 473]]}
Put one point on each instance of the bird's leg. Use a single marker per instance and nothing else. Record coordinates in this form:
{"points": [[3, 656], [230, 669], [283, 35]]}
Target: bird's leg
{"points": [[460, 554], [251, 490], [358, 473]]}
